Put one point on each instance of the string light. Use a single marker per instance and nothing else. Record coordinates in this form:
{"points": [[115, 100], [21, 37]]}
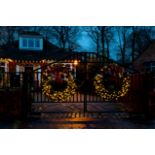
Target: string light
{"points": [[105, 94], [5, 60], [115, 70], [60, 96], [75, 62]]}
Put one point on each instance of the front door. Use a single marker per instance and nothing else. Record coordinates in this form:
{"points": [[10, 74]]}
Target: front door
{"points": [[28, 69]]}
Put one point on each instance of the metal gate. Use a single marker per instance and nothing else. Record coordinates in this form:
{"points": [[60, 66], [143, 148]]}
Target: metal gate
{"points": [[83, 67]]}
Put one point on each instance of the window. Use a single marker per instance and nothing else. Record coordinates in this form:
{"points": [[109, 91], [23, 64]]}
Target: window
{"points": [[149, 66], [24, 43], [30, 43], [37, 43]]}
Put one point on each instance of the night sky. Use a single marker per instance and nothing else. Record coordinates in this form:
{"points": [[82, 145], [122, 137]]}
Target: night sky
{"points": [[85, 42]]}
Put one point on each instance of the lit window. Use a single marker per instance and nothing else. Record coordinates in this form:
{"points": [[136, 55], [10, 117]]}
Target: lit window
{"points": [[37, 43], [30, 43], [24, 43]]}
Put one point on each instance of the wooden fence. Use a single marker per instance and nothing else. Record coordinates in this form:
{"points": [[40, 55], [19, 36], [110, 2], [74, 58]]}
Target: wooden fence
{"points": [[137, 99]]}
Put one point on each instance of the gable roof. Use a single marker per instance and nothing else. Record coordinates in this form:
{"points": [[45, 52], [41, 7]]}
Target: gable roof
{"points": [[147, 56], [29, 33], [49, 52]]}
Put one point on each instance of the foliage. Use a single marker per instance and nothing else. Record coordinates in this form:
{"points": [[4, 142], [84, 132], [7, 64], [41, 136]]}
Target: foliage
{"points": [[56, 88], [102, 37], [112, 83]]}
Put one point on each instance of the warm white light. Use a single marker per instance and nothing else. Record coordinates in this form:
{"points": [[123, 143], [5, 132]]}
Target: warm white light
{"points": [[5, 60], [75, 62]]}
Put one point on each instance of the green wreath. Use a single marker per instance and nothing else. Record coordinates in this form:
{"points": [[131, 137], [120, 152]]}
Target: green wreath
{"points": [[110, 73], [60, 96], [106, 94]]}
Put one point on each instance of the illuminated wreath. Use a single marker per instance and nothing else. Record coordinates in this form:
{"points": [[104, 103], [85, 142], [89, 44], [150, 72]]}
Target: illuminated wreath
{"points": [[58, 95], [103, 92]]}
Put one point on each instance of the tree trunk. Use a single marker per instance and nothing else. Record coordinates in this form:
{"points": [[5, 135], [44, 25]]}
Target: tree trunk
{"points": [[133, 44], [97, 44], [108, 52], [103, 39]]}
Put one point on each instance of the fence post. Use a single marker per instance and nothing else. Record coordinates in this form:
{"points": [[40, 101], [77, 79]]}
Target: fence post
{"points": [[147, 83], [86, 78], [26, 103]]}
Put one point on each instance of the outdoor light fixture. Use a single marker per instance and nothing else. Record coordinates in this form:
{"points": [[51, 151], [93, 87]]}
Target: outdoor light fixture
{"points": [[75, 62]]}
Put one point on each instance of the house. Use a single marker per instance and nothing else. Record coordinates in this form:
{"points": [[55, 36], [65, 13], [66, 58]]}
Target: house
{"points": [[146, 61], [30, 52]]}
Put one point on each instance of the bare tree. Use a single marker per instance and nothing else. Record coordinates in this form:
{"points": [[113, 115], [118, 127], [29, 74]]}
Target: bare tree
{"points": [[94, 34], [122, 42], [139, 38], [133, 42], [64, 36], [145, 36], [109, 38], [102, 37], [9, 32], [3, 35]]}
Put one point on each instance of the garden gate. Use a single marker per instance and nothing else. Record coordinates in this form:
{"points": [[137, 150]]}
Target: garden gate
{"points": [[74, 90], [83, 68]]}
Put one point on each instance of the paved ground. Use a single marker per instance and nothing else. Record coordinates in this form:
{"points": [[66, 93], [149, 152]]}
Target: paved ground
{"points": [[78, 107], [87, 121], [71, 116], [82, 121]]}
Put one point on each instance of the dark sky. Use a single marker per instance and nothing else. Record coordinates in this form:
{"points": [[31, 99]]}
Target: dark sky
{"points": [[86, 43]]}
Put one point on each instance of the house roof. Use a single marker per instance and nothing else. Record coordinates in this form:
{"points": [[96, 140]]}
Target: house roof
{"points": [[29, 33], [50, 52], [148, 55]]}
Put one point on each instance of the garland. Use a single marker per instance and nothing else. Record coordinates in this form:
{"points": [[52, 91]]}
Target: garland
{"points": [[106, 94], [54, 95]]}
